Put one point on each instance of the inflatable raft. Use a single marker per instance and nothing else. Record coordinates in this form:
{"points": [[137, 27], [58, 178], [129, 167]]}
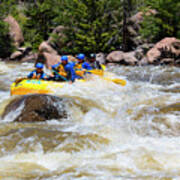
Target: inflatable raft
{"points": [[33, 86]]}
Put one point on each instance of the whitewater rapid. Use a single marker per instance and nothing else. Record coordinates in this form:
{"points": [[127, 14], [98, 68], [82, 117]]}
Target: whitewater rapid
{"points": [[121, 133]]}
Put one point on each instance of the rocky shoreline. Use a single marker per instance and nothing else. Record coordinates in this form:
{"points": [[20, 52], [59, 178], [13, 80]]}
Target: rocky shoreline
{"points": [[164, 52]]}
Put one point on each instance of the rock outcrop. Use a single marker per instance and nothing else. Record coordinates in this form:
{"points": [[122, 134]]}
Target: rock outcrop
{"points": [[45, 47], [23, 54], [101, 58], [50, 59], [164, 52], [36, 108], [125, 58], [15, 31]]}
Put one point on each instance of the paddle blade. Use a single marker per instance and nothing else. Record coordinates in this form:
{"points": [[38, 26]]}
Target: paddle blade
{"points": [[18, 80], [97, 72], [117, 81]]}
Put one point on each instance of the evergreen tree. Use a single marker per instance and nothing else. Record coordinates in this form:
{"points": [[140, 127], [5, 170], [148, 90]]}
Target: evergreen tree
{"points": [[163, 24], [6, 43], [90, 25], [39, 21], [93, 25]]}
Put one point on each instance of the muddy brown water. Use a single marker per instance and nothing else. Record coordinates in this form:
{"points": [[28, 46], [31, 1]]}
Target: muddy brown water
{"points": [[122, 133]]}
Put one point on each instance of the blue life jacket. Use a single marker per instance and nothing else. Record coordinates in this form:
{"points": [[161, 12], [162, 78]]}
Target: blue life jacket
{"points": [[70, 72], [69, 69], [42, 74], [87, 66]]}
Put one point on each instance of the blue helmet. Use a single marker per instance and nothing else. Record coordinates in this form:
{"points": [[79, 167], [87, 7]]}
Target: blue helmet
{"points": [[39, 65], [64, 58], [81, 56]]}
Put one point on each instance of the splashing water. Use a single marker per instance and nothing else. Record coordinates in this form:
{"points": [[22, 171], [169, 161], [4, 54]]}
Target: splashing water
{"points": [[113, 132]]}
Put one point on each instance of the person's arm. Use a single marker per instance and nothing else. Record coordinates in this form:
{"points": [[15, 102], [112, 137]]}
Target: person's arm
{"points": [[55, 66], [71, 72], [31, 74], [86, 66], [43, 76]]}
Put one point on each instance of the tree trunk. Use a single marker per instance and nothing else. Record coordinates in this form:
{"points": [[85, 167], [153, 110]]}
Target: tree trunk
{"points": [[126, 14]]}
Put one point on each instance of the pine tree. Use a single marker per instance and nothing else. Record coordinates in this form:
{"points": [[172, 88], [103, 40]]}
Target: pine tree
{"points": [[39, 22], [165, 23], [93, 25], [6, 43]]}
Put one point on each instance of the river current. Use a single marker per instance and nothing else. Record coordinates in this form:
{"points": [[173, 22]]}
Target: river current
{"points": [[130, 132]]}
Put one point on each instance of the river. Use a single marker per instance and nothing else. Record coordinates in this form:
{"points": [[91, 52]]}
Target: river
{"points": [[130, 132]]}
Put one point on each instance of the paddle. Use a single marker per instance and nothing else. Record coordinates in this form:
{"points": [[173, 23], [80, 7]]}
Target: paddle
{"points": [[117, 81], [17, 81], [59, 75], [96, 72], [101, 73]]}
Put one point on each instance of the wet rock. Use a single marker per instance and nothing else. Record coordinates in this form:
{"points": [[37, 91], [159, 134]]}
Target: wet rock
{"points": [[101, 58], [36, 108], [16, 55], [143, 61], [121, 57], [23, 54], [139, 53], [144, 48], [166, 48], [15, 31], [115, 56], [167, 61], [30, 58], [25, 50]]}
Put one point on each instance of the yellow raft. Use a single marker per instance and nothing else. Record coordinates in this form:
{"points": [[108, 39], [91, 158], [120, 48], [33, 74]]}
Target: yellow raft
{"points": [[34, 86], [25, 86]]}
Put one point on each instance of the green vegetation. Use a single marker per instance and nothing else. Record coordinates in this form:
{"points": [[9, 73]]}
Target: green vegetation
{"points": [[90, 25], [166, 23], [6, 44]]}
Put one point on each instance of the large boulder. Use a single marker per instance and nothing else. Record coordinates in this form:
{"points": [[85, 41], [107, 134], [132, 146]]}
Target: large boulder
{"points": [[125, 58], [101, 58], [167, 48], [15, 31], [50, 59], [31, 57], [47, 55], [16, 55], [45, 47], [24, 54], [35, 108]]}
